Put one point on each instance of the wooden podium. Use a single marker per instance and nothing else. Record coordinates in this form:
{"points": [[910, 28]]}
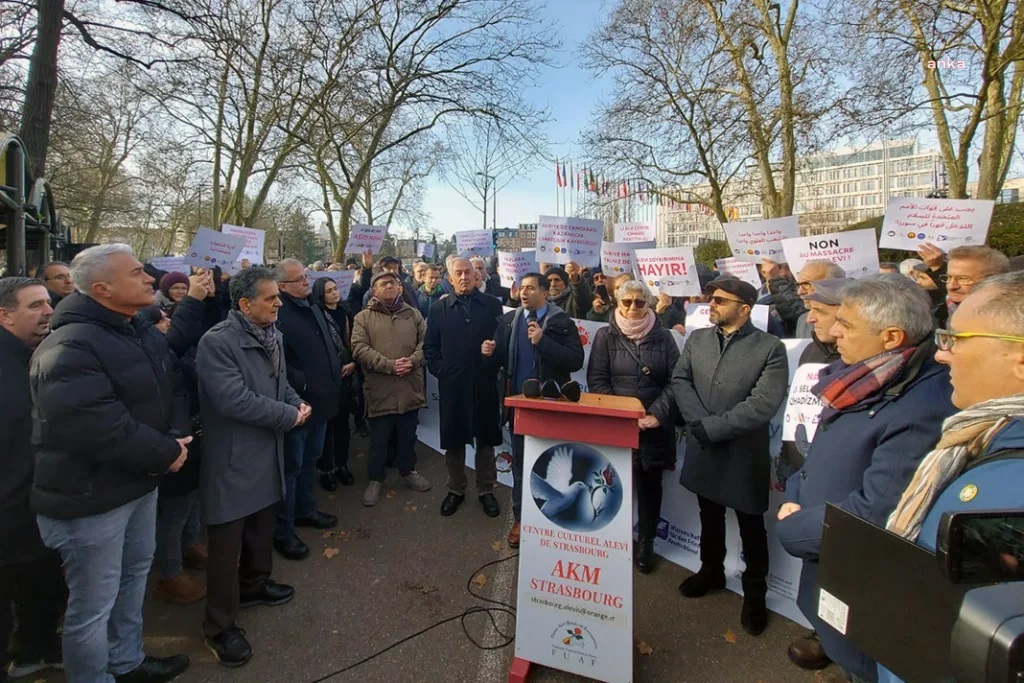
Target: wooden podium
{"points": [[575, 570]]}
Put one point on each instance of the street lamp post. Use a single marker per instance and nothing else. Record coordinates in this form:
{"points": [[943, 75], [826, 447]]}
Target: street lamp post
{"points": [[489, 180]]}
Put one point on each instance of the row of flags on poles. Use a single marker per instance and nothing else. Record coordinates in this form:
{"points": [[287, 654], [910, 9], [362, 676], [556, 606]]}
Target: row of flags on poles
{"points": [[584, 179]]}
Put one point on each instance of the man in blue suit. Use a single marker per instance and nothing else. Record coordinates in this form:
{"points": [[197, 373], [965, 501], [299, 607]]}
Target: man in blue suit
{"points": [[885, 400]]}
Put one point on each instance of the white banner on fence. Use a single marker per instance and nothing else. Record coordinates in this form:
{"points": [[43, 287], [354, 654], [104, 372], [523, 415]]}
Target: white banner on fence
{"points": [[342, 278], [562, 239], [475, 242], [212, 248], [744, 270], [755, 240], [254, 238], [698, 317], [672, 271], [855, 252], [619, 257], [634, 232], [513, 265], [947, 223], [362, 237], [171, 264], [802, 407]]}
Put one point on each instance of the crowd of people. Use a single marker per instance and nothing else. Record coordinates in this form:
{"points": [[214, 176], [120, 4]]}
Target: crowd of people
{"points": [[184, 420]]}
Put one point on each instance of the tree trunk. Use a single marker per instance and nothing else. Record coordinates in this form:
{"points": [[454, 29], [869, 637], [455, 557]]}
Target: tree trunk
{"points": [[41, 88]]}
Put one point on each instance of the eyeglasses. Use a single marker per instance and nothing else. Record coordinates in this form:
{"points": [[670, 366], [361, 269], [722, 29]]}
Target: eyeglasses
{"points": [[387, 283], [720, 300], [945, 340], [962, 281], [62, 278], [635, 303], [805, 285], [290, 282]]}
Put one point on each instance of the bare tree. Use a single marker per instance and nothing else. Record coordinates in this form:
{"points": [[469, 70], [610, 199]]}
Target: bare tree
{"points": [[967, 61]]}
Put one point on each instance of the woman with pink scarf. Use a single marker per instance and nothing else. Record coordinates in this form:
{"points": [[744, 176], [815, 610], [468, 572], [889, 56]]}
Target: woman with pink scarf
{"points": [[635, 356]]}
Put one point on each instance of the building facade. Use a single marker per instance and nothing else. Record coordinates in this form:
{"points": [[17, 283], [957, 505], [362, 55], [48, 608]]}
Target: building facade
{"points": [[506, 239], [833, 190]]}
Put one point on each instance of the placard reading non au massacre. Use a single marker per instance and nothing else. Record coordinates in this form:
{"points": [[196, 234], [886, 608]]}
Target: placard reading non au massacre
{"points": [[563, 239], [634, 232], [212, 248], [342, 278], [513, 265], [617, 257], [854, 251], [752, 241], [670, 270], [946, 223], [362, 237], [475, 242], [744, 270], [254, 238]]}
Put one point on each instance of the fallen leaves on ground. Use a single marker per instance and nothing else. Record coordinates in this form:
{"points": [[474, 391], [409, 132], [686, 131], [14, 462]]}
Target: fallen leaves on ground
{"points": [[496, 546], [391, 494], [344, 535], [643, 648], [730, 636], [327, 534], [330, 552], [411, 508], [480, 580]]}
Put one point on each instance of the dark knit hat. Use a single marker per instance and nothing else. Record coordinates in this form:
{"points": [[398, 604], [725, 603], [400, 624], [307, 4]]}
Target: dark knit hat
{"points": [[559, 271], [171, 279]]}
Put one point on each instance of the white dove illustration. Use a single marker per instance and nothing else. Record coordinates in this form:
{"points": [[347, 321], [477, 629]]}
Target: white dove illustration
{"points": [[582, 502]]}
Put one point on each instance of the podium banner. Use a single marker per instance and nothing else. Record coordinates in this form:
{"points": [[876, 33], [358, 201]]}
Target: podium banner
{"points": [[575, 600]]}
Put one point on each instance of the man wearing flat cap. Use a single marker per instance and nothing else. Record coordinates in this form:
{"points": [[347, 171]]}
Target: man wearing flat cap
{"points": [[728, 384]]}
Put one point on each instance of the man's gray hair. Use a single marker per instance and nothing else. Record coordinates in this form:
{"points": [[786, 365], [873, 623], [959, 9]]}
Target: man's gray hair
{"points": [[993, 262], [833, 271], [284, 264], [246, 283], [50, 264], [1006, 309], [634, 286], [478, 260], [9, 288], [92, 265], [456, 259], [891, 300]]}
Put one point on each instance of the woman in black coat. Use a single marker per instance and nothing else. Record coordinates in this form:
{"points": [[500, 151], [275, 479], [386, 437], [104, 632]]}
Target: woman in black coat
{"points": [[635, 356], [333, 463]]}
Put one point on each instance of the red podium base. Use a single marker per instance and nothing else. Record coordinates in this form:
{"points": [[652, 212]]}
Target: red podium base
{"points": [[519, 670]]}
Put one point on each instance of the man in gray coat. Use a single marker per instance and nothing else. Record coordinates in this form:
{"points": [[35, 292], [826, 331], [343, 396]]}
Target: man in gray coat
{"points": [[728, 384], [247, 406]]}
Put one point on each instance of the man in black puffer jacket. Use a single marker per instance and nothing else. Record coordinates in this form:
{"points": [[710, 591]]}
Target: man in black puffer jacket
{"points": [[109, 420]]}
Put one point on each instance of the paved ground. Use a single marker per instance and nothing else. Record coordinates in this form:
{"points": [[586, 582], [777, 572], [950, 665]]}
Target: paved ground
{"points": [[400, 567]]}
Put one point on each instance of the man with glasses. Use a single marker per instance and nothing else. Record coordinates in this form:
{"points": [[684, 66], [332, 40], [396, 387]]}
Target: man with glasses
{"points": [[976, 463], [966, 267], [883, 406], [813, 271], [314, 371], [57, 277], [728, 384]]}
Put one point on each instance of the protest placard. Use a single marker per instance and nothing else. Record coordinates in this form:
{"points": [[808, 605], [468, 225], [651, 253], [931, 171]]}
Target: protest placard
{"points": [[425, 249], [171, 264], [625, 233], [671, 270], [617, 257], [698, 316], [947, 223], [253, 249], [802, 406], [342, 278], [475, 242], [561, 239], [212, 248], [513, 265], [362, 237], [752, 241], [855, 251], [744, 270]]}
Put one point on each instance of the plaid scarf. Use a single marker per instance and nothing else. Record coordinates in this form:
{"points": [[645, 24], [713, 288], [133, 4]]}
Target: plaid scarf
{"points": [[265, 336], [965, 437], [855, 383]]}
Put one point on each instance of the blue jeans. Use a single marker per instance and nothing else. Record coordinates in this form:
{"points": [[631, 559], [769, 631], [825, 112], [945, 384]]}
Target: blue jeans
{"points": [[106, 561], [302, 448], [177, 528]]}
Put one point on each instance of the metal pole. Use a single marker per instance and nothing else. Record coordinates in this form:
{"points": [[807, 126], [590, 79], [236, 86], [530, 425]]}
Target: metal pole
{"points": [[16, 224], [494, 210], [486, 185]]}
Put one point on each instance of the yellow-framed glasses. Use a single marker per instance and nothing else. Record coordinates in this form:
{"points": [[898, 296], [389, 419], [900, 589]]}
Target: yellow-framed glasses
{"points": [[945, 340]]}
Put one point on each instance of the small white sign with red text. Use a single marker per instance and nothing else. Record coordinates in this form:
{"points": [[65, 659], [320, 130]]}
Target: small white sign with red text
{"points": [[634, 232], [362, 237], [618, 258]]}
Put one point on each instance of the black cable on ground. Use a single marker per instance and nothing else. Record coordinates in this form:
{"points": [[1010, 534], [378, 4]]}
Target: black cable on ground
{"points": [[500, 608]]}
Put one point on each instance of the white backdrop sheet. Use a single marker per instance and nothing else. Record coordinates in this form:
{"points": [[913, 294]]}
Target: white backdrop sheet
{"points": [[678, 535]]}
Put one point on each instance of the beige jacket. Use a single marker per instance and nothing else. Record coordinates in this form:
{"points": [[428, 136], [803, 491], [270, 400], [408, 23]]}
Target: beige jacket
{"points": [[380, 337]]}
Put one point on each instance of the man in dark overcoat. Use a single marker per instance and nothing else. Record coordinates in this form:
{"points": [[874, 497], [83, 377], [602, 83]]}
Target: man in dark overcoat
{"points": [[729, 382], [457, 325]]}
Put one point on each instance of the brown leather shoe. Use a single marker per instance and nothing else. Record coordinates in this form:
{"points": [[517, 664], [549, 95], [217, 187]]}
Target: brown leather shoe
{"points": [[513, 536], [807, 652], [196, 556], [183, 589]]}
